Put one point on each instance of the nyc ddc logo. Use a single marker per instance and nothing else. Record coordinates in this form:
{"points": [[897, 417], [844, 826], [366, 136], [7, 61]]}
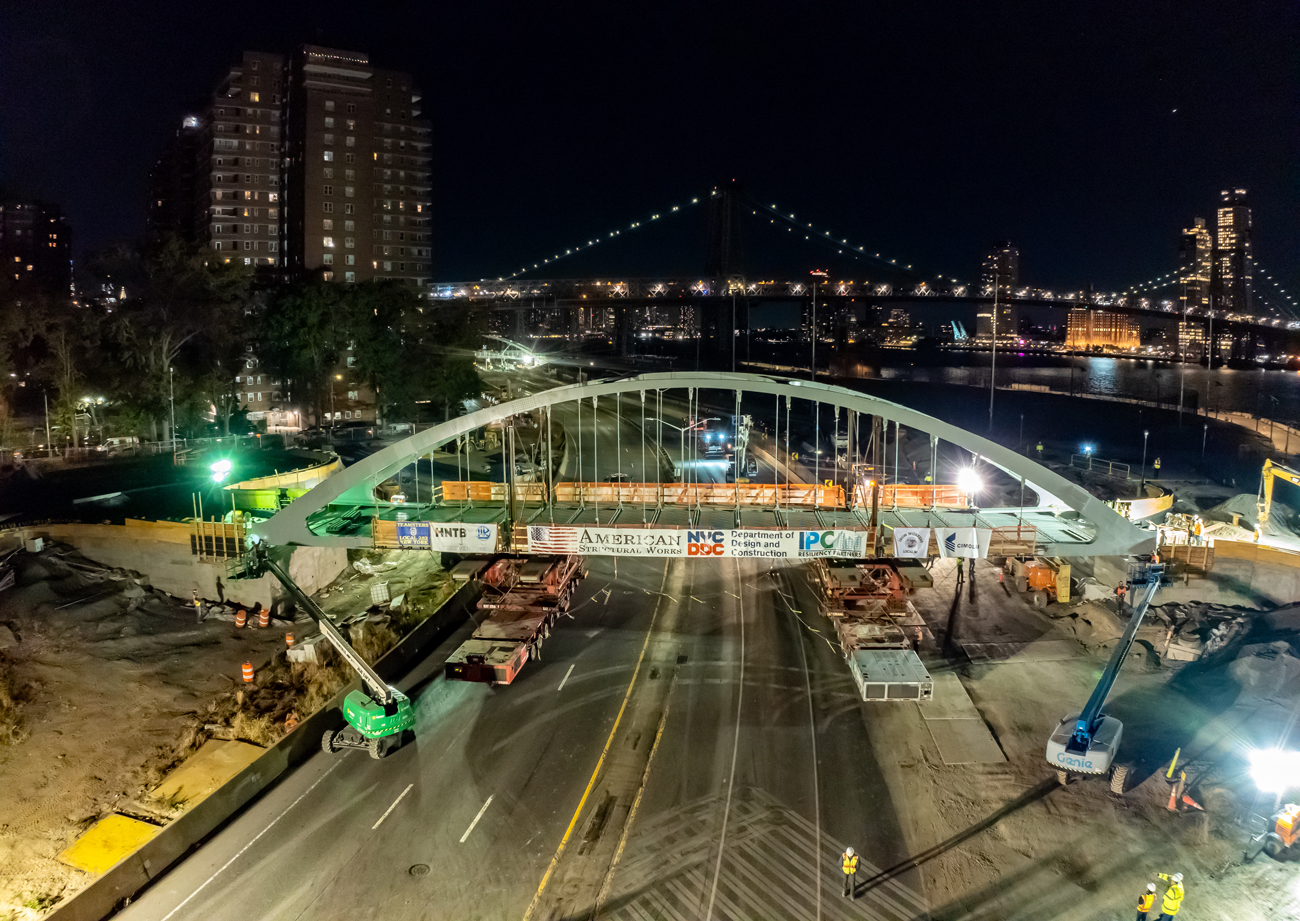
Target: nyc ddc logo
{"points": [[705, 543]]}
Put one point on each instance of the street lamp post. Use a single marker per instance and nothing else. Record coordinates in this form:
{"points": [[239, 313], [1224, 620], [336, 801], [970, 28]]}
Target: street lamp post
{"points": [[1205, 432], [1143, 485], [171, 385]]}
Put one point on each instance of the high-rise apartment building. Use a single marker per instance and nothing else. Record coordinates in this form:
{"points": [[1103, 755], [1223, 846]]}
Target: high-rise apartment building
{"points": [[1195, 263], [171, 185], [358, 168], [36, 245], [1105, 329], [1001, 267], [1192, 340], [1231, 277], [306, 162]]}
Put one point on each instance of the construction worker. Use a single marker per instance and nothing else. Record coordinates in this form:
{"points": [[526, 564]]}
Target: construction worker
{"points": [[1145, 901], [198, 607], [1173, 899], [1120, 591], [961, 575], [1040, 450], [1196, 531], [849, 864]]}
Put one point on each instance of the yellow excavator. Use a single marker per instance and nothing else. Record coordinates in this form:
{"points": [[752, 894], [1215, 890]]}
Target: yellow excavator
{"points": [[1272, 470]]}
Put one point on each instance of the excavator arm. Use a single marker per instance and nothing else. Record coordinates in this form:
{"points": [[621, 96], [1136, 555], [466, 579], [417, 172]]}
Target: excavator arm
{"points": [[1272, 470]]}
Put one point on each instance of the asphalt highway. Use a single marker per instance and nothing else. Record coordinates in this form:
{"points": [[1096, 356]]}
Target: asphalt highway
{"points": [[689, 747]]}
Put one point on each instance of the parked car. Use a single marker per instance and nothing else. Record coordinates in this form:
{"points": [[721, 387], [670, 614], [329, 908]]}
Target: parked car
{"points": [[126, 444]]}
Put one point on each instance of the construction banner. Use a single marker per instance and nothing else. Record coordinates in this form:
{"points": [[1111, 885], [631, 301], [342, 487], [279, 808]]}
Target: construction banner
{"points": [[912, 543], [447, 538], [715, 543], [971, 543]]}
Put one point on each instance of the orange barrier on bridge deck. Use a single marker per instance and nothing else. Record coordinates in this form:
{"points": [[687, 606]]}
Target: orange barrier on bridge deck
{"points": [[796, 494], [1016, 540], [486, 491], [903, 495]]}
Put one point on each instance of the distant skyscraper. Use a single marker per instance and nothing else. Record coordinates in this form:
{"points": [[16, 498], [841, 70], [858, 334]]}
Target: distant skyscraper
{"points": [[1230, 280], [172, 193], [36, 245], [1195, 263], [1102, 328], [313, 161], [358, 177], [1001, 266]]}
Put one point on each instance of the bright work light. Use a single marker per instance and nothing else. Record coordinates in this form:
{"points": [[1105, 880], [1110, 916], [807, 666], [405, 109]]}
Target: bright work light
{"points": [[969, 481], [220, 470], [1275, 771]]}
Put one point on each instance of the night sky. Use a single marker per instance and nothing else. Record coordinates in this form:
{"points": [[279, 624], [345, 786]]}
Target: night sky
{"points": [[1088, 134]]}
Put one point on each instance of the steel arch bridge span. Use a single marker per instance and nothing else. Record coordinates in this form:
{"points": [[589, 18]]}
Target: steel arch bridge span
{"points": [[1112, 535]]}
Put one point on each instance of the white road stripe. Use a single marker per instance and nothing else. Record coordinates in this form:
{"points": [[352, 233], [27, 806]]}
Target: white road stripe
{"points": [[392, 807], [227, 864], [566, 678], [476, 818]]}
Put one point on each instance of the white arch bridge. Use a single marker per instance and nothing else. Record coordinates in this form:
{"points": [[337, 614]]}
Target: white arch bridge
{"points": [[1051, 516]]}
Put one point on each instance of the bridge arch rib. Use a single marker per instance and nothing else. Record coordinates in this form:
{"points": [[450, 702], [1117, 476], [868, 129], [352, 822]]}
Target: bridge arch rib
{"points": [[1113, 535]]}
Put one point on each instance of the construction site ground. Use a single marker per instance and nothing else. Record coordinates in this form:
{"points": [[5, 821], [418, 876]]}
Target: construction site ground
{"points": [[108, 684], [1004, 840]]}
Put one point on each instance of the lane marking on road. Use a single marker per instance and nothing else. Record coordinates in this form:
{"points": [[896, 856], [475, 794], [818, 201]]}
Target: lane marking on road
{"points": [[817, 801], [573, 822], [566, 678], [392, 807], [476, 818], [735, 750], [227, 864]]}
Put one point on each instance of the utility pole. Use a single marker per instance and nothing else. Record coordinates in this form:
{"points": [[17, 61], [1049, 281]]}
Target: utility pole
{"points": [[993, 365], [49, 444], [171, 386], [1143, 485]]}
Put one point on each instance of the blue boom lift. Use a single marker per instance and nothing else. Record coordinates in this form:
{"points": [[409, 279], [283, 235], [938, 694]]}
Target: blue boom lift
{"points": [[1086, 743]]}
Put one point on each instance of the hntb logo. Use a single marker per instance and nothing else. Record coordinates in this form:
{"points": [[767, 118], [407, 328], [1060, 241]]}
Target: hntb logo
{"points": [[705, 543], [816, 540]]}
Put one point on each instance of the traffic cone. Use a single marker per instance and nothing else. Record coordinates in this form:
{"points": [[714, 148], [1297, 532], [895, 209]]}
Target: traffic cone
{"points": [[288, 640], [241, 617], [1187, 800], [248, 672], [264, 618], [1173, 799]]}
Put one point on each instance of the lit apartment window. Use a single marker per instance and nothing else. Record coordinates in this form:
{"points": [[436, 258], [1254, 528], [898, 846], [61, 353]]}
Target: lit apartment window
{"points": [[352, 124], [327, 224], [388, 266], [328, 207], [329, 122], [329, 105], [349, 191], [374, 264], [329, 190], [349, 242], [349, 276], [352, 395], [254, 97], [328, 242], [328, 259], [273, 196], [349, 259], [329, 156]]}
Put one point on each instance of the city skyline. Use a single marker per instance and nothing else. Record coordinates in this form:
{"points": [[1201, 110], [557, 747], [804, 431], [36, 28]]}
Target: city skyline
{"points": [[1081, 173]]}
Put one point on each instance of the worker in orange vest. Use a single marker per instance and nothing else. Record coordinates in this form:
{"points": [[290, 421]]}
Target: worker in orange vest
{"points": [[1120, 591], [1145, 901], [849, 864], [1196, 531]]}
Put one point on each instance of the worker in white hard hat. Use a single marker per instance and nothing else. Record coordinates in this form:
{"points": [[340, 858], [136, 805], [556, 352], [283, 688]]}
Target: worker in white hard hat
{"points": [[849, 864], [1146, 901], [1173, 899]]}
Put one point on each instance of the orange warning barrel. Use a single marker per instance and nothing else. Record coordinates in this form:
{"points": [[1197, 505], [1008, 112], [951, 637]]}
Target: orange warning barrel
{"points": [[248, 672], [241, 617], [288, 640], [264, 619]]}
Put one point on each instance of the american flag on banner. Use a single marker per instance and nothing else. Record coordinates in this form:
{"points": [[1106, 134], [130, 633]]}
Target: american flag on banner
{"points": [[548, 539]]}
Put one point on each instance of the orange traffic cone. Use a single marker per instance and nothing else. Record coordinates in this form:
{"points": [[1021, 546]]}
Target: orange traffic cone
{"points": [[241, 617], [1173, 799], [1187, 800], [248, 672], [288, 640], [264, 619]]}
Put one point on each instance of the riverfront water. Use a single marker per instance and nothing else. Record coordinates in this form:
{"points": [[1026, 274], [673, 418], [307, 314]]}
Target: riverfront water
{"points": [[1274, 394]]}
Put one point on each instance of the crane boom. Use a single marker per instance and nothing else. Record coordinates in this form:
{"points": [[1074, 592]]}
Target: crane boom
{"points": [[381, 692]]}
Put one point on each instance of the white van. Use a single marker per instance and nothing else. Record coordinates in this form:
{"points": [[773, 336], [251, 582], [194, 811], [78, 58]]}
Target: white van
{"points": [[127, 444]]}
